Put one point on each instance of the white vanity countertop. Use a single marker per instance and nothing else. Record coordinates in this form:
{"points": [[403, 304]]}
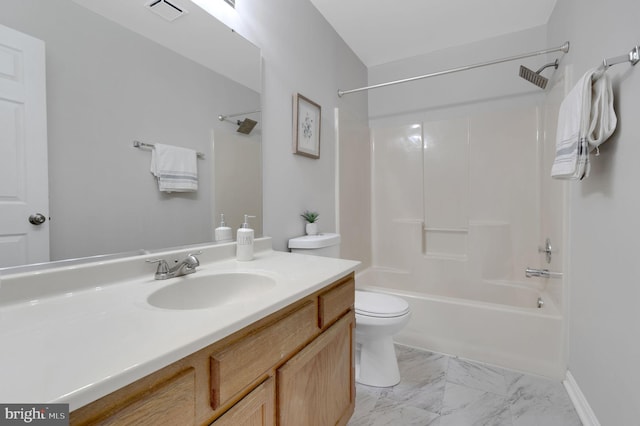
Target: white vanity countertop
{"points": [[77, 346]]}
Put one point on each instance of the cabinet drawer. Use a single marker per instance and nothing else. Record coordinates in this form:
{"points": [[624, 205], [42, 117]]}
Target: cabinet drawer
{"points": [[336, 301], [242, 363], [171, 402]]}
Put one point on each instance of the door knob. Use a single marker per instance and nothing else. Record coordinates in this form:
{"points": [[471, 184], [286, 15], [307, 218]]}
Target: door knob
{"points": [[37, 219]]}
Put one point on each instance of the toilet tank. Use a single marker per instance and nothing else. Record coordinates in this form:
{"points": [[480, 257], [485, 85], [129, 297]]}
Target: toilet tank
{"points": [[327, 245]]}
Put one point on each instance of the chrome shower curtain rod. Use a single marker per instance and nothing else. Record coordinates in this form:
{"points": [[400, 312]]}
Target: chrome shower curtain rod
{"points": [[564, 48], [222, 117]]}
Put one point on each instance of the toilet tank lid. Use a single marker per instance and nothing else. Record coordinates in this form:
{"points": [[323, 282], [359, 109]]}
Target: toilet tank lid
{"points": [[314, 241]]}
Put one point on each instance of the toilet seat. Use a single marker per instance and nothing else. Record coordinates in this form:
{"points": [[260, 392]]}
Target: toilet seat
{"points": [[378, 305]]}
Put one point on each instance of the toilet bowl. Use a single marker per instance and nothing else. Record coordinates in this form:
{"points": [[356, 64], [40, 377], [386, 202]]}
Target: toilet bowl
{"points": [[378, 318]]}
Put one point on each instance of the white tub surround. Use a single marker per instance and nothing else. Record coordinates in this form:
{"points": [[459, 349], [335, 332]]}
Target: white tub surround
{"points": [[77, 333], [458, 251], [498, 324]]}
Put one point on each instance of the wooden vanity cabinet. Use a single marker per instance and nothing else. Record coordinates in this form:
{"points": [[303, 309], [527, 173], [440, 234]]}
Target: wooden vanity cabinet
{"points": [[294, 367]]}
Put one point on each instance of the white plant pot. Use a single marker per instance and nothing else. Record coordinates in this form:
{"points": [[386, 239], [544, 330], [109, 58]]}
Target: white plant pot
{"points": [[312, 228]]}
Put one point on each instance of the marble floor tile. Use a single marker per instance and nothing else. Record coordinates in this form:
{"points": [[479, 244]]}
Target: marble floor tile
{"points": [[423, 379], [417, 366], [536, 401], [473, 407], [366, 399], [389, 412], [477, 376], [438, 390]]}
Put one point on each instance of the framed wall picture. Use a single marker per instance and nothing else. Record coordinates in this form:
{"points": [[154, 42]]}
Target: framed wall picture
{"points": [[306, 122]]}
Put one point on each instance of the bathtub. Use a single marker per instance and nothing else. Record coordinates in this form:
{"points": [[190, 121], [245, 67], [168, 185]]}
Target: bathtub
{"points": [[493, 322]]}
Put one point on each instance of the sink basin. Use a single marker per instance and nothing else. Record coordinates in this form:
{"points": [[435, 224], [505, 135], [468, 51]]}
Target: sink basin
{"points": [[208, 291]]}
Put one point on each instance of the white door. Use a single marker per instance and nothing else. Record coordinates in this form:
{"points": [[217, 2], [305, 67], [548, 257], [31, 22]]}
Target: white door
{"points": [[23, 150]]}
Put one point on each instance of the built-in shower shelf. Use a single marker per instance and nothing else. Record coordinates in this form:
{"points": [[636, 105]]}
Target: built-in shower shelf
{"points": [[447, 256], [447, 230]]}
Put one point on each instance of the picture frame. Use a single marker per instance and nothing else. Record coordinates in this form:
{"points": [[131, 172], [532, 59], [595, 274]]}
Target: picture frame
{"points": [[307, 119]]}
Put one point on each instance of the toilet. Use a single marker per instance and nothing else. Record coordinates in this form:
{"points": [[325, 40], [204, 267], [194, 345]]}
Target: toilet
{"points": [[378, 318]]}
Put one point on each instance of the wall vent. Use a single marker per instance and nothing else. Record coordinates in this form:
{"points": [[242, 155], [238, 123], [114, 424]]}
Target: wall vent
{"points": [[169, 10]]}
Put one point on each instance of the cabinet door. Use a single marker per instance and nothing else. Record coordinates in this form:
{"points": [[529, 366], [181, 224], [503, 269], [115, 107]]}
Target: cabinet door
{"points": [[255, 409], [316, 387]]}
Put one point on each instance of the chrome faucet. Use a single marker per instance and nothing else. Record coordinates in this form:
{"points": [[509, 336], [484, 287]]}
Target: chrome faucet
{"points": [[544, 273], [186, 266]]}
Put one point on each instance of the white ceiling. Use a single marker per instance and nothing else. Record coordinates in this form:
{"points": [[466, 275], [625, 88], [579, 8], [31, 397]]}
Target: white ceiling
{"points": [[381, 31], [190, 35]]}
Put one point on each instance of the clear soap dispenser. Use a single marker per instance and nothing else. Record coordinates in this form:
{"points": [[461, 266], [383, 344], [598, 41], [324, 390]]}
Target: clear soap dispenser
{"points": [[244, 241], [223, 232]]}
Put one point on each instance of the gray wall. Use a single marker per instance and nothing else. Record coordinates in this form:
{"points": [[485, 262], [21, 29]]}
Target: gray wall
{"points": [[457, 93], [604, 348], [301, 53], [107, 86]]}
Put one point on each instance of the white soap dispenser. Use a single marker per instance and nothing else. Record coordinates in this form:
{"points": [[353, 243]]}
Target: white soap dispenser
{"points": [[223, 232], [244, 241]]}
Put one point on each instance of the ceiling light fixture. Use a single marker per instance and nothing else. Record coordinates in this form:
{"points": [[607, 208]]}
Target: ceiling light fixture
{"points": [[169, 10]]}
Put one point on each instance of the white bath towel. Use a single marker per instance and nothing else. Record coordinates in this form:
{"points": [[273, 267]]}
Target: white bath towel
{"points": [[176, 168], [586, 119]]}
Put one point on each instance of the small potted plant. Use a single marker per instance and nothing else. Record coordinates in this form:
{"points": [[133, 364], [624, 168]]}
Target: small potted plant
{"points": [[312, 222]]}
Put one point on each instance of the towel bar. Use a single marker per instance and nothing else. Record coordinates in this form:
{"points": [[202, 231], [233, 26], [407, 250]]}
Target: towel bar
{"points": [[632, 57], [138, 144]]}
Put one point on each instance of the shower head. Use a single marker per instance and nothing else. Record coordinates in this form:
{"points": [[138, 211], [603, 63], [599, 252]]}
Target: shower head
{"points": [[535, 77], [246, 126]]}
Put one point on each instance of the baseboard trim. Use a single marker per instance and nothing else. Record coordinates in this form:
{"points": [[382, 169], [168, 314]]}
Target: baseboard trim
{"points": [[586, 414]]}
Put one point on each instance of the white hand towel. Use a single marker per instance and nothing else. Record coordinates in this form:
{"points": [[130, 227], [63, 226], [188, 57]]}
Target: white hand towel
{"points": [[176, 168], [603, 117], [586, 119]]}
